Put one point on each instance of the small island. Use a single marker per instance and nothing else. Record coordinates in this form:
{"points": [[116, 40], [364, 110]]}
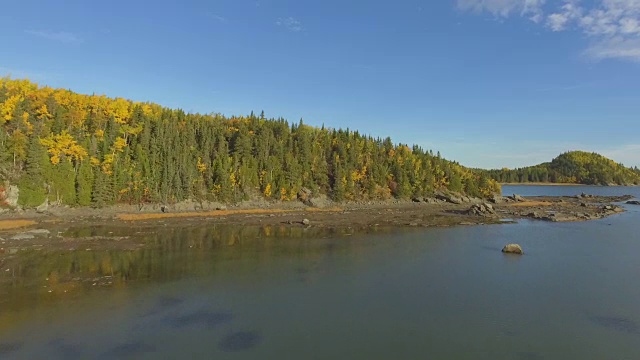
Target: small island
{"points": [[574, 167]]}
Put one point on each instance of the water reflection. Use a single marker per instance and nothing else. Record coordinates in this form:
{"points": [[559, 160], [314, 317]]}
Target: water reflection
{"points": [[40, 277], [243, 340]]}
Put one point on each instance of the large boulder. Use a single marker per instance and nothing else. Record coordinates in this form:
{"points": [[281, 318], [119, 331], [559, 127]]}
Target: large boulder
{"points": [[449, 198], [304, 195], [484, 209], [11, 196], [518, 198], [513, 249]]}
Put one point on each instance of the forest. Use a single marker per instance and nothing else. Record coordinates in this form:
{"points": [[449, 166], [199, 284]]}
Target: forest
{"points": [[573, 167], [92, 150]]}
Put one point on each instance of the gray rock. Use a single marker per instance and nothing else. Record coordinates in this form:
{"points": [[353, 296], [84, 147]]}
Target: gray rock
{"points": [[633, 202], [484, 209], [306, 222], [11, 196], [497, 199], [513, 249], [221, 207], [518, 198], [43, 208], [164, 208], [39, 232], [23, 236], [449, 198], [304, 195]]}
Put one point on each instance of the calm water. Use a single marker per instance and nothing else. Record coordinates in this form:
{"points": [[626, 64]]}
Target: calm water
{"points": [[278, 293]]}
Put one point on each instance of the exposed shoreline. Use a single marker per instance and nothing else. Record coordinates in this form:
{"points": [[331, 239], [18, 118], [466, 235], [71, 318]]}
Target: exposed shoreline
{"points": [[55, 230], [563, 184]]}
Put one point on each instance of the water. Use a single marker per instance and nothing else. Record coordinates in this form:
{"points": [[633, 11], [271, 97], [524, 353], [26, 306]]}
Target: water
{"points": [[550, 190], [253, 293]]}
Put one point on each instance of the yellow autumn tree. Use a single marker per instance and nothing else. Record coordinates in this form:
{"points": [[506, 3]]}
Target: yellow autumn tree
{"points": [[63, 144]]}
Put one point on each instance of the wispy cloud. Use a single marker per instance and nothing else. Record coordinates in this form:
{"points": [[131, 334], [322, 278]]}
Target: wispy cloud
{"points": [[216, 17], [60, 36], [612, 26], [290, 24]]}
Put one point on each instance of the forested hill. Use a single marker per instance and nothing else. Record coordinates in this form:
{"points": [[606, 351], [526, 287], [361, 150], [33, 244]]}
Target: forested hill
{"points": [[574, 167], [94, 150]]}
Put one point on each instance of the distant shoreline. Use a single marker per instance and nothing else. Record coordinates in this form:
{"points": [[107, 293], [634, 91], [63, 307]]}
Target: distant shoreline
{"points": [[562, 184]]}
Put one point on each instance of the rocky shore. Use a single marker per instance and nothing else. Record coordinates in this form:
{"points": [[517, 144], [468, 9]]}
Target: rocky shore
{"points": [[50, 229]]}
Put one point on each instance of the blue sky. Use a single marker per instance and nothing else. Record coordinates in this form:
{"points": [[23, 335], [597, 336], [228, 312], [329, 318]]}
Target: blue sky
{"points": [[490, 83]]}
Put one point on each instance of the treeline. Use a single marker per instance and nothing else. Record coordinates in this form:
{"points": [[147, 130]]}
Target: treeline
{"points": [[94, 150], [574, 167]]}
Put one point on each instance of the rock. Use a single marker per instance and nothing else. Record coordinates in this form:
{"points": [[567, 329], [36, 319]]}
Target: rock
{"points": [[43, 208], [583, 204], [306, 222], [431, 200], [534, 215], [633, 202], [497, 199], [304, 194], [449, 198], [518, 198], [513, 249], [11, 196], [416, 200], [39, 232], [484, 209], [23, 236], [164, 208]]}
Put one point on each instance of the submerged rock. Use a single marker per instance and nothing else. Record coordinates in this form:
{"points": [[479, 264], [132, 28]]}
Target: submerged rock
{"points": [[513, 249], [633, 202]]}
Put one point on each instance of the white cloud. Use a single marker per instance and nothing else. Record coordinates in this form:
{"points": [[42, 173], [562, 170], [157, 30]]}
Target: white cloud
{"points": [[505, 8], [612, 26], [290, 24], [60, 36]]}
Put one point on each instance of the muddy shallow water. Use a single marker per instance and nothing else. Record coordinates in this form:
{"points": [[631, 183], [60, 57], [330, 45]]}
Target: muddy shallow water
{"points": [[243, 292]]}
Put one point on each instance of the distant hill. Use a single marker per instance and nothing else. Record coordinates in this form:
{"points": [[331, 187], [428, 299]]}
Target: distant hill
{"points": [[574, 167]]}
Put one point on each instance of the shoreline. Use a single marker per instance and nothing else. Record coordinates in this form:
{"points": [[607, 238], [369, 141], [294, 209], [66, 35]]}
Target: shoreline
{"points": [[562, 184], [65, 228]]}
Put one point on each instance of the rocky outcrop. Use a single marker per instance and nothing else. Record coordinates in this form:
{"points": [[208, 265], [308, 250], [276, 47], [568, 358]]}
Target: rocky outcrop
{"points": [[43, 208], [11, 196], [304, 195], [633, 202], [484, 209], [449, 198], [612, 209], [513, 249], [497, 199]]}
